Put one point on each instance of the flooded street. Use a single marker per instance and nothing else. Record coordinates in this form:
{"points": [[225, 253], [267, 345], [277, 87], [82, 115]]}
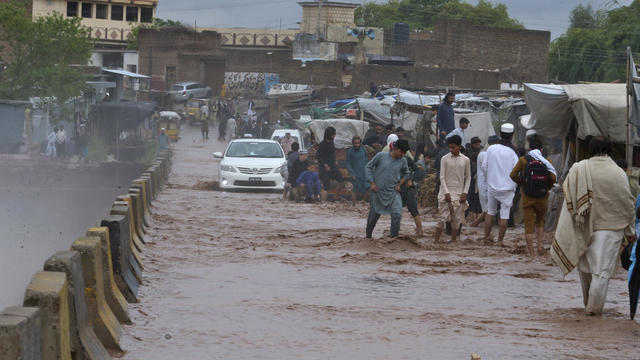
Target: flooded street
{"points": [[44, 207], [236, 275]]}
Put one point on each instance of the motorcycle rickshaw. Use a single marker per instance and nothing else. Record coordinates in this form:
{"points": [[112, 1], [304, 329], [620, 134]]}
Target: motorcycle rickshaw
{"points": [[170, 121], [192, 110]]}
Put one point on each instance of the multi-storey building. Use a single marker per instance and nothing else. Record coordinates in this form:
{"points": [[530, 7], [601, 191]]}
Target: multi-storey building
{"points": [[110, 23]]}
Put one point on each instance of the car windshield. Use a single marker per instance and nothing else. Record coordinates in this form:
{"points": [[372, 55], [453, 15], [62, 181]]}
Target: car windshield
{"points": [[254, 149], [177, 87]]}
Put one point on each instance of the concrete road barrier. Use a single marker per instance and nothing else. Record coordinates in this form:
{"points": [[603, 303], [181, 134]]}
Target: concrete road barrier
{"points": [[137, 227], [135, 259], [152, 190], [112, 294], [122, 208], [138, 204], [20, 333], [122, 259], [142, 186], [48, 291], [155, 189], [101, 317], [84, 341]]}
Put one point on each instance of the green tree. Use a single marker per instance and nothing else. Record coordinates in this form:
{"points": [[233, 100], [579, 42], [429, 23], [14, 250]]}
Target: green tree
{"points": [[597, 54], [379, 15], [132, 41], [41, 55], [484, 13], [585, 17]]}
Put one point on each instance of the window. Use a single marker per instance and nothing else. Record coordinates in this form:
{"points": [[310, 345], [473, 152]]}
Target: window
{"points": [[132, 14], [192, 86], [87, 10], [146, 15], [101, 11], [72, 8], [116, 12]]}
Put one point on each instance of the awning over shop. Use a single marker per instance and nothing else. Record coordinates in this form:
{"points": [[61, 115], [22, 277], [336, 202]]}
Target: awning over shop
{"points": [[126, 73]]}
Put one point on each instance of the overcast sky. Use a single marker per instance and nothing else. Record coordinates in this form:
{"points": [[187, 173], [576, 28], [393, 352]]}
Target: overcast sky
{"points": [[551, 15]]}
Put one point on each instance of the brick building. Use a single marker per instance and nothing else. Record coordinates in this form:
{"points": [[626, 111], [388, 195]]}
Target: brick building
{"points": [[317, 14]]}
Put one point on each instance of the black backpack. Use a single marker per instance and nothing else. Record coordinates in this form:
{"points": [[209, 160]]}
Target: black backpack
{"points": [[536, 178]]}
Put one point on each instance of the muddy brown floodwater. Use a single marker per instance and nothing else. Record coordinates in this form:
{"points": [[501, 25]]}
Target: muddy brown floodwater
{"points": [[234, 275]]}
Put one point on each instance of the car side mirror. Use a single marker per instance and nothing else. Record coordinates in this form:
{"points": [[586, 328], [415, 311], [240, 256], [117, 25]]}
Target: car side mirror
{"points": [[217, 155]]}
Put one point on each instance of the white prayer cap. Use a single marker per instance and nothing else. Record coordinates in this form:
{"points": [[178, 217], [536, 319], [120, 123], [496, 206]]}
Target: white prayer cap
{"points": [[507, 128], [392, 138], [530, 132]]}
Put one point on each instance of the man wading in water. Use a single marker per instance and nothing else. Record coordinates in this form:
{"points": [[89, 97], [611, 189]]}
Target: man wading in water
{"points": [[386, 173]]}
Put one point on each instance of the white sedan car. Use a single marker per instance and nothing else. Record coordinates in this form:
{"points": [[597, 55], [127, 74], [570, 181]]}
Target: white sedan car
{"points": [[251, 164]]}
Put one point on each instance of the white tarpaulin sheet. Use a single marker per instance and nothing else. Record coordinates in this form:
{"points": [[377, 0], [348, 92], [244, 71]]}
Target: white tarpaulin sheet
{"points": [[346, 129], [600, 110], [480, 125], [380, 110]]}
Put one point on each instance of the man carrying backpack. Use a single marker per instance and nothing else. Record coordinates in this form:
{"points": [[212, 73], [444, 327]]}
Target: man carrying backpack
{"points": [[536, 176]]}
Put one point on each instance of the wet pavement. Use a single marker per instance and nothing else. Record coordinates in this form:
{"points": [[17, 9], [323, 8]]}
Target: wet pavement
{"points": [[237, 275]]}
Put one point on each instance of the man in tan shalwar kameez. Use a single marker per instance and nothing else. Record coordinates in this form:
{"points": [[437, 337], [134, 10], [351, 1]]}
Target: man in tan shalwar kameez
{"points": [[598, 212]]}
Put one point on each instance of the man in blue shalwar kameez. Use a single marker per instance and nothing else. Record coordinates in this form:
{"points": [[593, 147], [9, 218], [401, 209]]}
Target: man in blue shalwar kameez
{"points": [[386, 173], [356, 161]]}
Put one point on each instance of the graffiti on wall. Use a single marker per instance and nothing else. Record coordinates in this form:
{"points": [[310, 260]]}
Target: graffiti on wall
{"points": [[249, 83]]}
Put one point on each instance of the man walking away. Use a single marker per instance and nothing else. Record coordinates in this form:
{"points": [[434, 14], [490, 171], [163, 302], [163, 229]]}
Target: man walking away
{"points": [[445, 116], [230, 130], [536, 177], [410, 196], [482, 181], [326, 156], [204, 127], [455, 179], [61, 142], [596, 214], [464, 124], [500, 160], [51, 143], [356, 161], [386, 173]]}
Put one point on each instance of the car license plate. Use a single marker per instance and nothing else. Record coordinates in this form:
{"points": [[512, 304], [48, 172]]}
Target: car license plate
{"points": [[255, 179]]}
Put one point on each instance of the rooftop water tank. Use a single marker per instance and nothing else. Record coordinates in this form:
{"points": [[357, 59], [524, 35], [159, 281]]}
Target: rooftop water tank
{"points": [[400, 33]]}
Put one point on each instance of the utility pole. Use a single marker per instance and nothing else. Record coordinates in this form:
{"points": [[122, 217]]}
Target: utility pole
{"points": [[318, 29]]}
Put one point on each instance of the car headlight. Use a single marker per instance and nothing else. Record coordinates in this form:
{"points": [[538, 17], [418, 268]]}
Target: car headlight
{"points": [[278, 169], [228, 168]]}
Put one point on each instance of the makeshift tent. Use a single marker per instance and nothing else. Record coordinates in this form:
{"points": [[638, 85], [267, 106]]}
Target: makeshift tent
{"points": [[346, 129], [599, 110], [480, 125], [379, 111]]}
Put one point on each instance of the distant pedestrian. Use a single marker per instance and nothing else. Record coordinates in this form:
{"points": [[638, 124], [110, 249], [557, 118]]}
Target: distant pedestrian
{"points": [[445, 117], [536, 177], [455, 179], [356, 162], [326, 156], [379, 137], [373, 89], [163, 140], [61, 142], [464, 124], [204, 128], [51, 143], [409, 195], [386, 173], [499, 161], [230, 130], [286, 142], [481, 181], [597, 212]]}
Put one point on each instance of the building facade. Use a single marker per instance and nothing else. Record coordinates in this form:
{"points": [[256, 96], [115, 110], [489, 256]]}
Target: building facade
{"points": [[317, 14], [110, 24]]}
